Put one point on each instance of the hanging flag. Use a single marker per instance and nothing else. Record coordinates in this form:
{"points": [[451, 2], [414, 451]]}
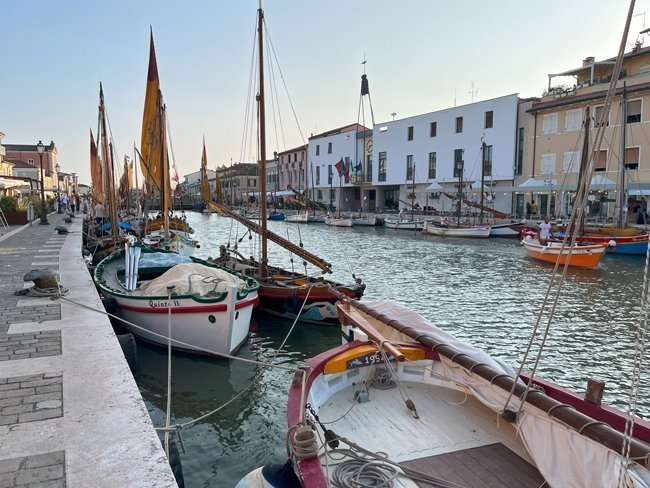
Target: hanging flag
{"points": [[358, 168], [346, 168], [340, 166]]}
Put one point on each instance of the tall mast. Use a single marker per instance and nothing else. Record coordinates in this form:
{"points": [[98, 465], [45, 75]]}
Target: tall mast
{"points": [[164, 166], [413, 193], [461, 167], [583, 167], [108, 165], [260, 27], [622, 202], [482, 179]]}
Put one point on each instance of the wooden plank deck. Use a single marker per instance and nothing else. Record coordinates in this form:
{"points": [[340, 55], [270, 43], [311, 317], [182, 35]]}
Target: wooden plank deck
{"points": [[492, 466]]}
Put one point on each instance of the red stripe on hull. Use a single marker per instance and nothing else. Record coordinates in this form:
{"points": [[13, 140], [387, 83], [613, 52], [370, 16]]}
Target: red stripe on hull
{"points": [[221, 307]]}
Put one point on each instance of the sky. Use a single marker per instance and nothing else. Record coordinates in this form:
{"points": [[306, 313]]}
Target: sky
{"points": [[422, 56]]}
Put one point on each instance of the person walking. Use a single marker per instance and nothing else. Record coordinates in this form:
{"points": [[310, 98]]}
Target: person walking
{"points": [[73, 202], [77, 200], [64, 202]]}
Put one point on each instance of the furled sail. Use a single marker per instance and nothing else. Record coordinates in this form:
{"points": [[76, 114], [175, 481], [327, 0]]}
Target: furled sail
{"points": [[96, 171], [205, 184], [126, 180]]}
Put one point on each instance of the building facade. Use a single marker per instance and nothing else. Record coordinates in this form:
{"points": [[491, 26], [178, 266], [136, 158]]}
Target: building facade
{"points": [[238, 182], [292, 170], [556, 148]]}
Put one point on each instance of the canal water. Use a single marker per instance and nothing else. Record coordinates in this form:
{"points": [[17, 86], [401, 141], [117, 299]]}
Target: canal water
{"points": [[486, 292]]}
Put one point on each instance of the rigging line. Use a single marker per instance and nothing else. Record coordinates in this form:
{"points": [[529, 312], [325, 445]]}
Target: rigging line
{"points": [[176, 341], [275, 98], [637, 367], [260, 373], [273, 103], [293, 110], [249, 98]]}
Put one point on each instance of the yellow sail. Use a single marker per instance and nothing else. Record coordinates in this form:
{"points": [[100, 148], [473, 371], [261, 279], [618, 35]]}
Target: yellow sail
{"points": [[96, 172], [151, 141], [205, 184]]}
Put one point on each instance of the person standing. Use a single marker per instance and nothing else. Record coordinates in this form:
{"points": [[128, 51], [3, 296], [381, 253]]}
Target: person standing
{"points": [[544, 232], [529, 210], [64, 202], [99, 213], [533, 207], [77, 200], [73, 202]]}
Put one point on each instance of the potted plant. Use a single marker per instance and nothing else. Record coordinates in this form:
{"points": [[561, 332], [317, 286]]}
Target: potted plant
{"points": [[12, 212]]}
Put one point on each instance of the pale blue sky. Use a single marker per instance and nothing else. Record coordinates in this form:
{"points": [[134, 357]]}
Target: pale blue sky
{"points": [[421, 52]]}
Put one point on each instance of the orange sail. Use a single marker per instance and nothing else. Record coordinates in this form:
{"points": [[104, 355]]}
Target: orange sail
{"points": [[205, 184], [96, 172], [151, 141]]}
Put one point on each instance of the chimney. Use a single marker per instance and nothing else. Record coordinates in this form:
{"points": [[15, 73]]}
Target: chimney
{"points": [[589, 60]]}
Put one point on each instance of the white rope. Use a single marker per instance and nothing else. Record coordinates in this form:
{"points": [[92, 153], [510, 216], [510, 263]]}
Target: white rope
{"points": [[176, 341]]}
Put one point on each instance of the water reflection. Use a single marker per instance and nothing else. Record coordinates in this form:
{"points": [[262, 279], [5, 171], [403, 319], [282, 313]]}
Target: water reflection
{"points": [[486, 292]]}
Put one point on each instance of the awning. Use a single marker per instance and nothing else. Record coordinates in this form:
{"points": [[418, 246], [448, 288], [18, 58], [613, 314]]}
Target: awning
{"points": [[602, 183], [432, 188], [6, 183]]}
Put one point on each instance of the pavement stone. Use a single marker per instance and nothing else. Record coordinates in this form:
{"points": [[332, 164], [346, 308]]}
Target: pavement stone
{"points": [[38, 471]]}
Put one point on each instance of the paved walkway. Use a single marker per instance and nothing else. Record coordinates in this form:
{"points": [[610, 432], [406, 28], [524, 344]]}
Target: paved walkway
{"points": [[70, 411]]}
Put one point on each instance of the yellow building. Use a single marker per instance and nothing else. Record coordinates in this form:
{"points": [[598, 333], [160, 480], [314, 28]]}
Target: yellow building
{"points": [[556, 145]]}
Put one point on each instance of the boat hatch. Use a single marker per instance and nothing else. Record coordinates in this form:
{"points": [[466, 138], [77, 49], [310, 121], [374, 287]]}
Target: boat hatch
{"points": [[366, 355]]}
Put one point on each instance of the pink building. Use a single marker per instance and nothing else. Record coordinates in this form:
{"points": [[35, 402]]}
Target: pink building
{"points": [[29, 154], [292, 169]]}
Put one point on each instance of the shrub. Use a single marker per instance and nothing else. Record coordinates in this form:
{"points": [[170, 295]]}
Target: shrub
{"points": [[9, 204]]}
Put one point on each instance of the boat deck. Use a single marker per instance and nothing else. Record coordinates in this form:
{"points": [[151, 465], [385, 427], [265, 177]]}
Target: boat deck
{"points": [[456, 438]]}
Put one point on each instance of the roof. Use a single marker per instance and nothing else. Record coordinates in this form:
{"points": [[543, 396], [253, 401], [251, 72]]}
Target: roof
{"points": [[28, 147], [20, 164], [610, 61], [570, 100], [339, 130], [295, 149]]}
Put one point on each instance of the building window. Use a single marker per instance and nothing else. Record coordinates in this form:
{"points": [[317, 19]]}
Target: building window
{"points": [[548, 164], [409, 133], [329, 148], [369, 167], [598, 113], [30, 161], [633, 111], [330, 175], [317, 149], [382, 167], [601, 160], [549, 124], [487, 161], [489, 119], [573, 120], [320, 195], [458, 163], [318, 175], [433, 129], [409, 167], [520, 152], [459, 125], [631, 158], [432, 166], [571, 162]]}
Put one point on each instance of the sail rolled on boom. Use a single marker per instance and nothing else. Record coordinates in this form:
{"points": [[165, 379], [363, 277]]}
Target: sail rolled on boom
{"points": [[290, 246]]}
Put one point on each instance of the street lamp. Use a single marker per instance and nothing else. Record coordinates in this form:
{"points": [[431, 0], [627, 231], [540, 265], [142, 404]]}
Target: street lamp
{"points": [[41, 149], [58, 189]]}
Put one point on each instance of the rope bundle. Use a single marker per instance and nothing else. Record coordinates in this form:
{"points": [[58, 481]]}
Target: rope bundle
{"points": [[359, 473], [35, 291]]}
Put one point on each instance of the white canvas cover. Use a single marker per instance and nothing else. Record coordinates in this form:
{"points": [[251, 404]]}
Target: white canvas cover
{"points": [[191, 278], [565, 458]]}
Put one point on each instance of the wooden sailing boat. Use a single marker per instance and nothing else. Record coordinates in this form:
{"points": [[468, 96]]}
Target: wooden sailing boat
{"points": [[406, 224], [211, 305], [282, 292], [162, 232], [446, 229], [580, 254]]}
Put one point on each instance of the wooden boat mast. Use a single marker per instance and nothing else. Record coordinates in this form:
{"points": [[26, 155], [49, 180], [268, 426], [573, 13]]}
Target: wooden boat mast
{"points": [[482, 179], [584, 160], [260, 27], [622, 202], [461, 168], [108, 165]]}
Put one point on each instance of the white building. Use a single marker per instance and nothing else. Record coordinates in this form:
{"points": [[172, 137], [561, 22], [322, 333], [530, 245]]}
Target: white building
{"points": [[192, 182], [413, 153], [324, 152]]}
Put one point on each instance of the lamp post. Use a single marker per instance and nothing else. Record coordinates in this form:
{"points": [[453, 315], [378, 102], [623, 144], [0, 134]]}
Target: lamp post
{"points": [[58, 189], [41, 149]]}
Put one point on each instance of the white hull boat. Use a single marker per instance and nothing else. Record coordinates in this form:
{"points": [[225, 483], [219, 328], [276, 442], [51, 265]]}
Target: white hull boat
{"points": [[297, 218], [404, 224], [341, 222], [364, 221], [504, 230], [437, 412], [211, 306], [444, 231], [180, 243]]}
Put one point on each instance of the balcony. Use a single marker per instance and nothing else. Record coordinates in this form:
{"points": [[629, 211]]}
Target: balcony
{"points": [[360, 179]]}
